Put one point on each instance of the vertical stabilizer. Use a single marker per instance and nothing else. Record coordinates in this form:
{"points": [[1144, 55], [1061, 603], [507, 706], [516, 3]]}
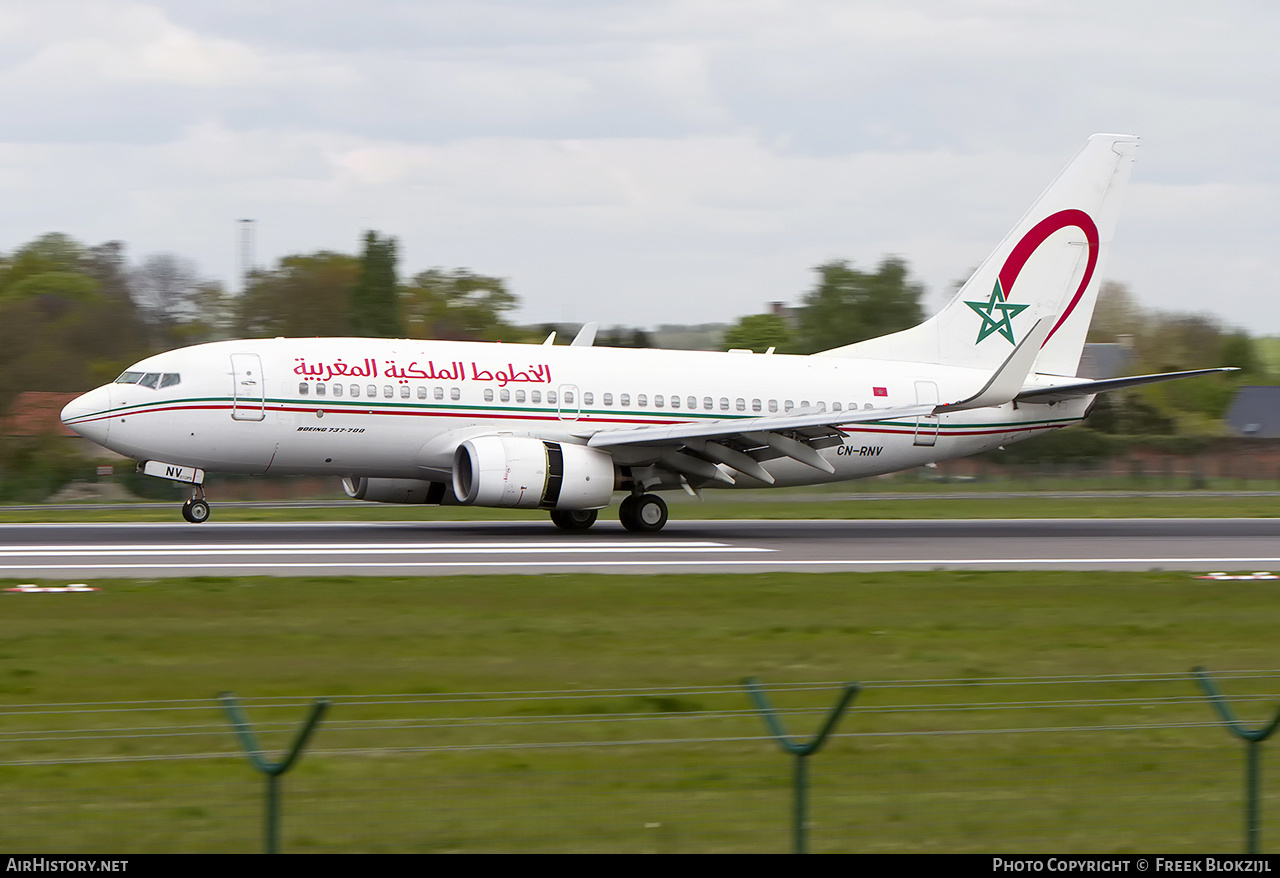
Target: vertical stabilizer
{"points": [[1048, 266]]}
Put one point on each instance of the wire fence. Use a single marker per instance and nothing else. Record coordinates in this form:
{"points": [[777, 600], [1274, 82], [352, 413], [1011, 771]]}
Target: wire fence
{"points": [[1065, 764]]}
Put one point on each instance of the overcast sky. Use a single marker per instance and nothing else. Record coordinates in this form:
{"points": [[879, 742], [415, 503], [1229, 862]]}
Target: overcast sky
{"points": [[647, 162]]}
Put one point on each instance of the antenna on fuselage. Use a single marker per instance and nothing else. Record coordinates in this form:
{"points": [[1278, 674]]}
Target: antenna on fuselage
{"points": [[245, 251]]}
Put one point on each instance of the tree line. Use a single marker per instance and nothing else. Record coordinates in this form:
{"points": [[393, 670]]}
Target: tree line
{"points": [[72, 316]]}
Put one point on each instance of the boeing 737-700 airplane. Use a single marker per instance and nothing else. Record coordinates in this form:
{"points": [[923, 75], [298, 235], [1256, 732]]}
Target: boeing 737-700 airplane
{"points": [[563, 428]]}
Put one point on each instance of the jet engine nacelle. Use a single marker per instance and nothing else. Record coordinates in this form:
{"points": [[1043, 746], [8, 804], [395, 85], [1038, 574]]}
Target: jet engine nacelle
{"points": [[515, 471], [398, 491]]}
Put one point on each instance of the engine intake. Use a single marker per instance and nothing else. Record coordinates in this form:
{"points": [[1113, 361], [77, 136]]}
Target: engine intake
{"points": [[527, 473]]}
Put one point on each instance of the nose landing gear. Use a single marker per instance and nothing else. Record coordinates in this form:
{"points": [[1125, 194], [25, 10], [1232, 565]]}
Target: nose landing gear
{"points": [[196, 510]]}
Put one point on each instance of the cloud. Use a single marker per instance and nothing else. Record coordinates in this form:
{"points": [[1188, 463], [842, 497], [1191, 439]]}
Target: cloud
{"points": [[644, 162]]}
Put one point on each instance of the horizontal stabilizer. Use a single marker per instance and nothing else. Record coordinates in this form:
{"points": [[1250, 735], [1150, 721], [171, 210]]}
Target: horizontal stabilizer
{"points": [[1089, 388]]}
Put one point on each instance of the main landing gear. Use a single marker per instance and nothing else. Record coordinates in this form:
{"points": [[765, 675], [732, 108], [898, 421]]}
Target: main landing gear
{"points": [[573, 519], [643, 513], [196, 510]]}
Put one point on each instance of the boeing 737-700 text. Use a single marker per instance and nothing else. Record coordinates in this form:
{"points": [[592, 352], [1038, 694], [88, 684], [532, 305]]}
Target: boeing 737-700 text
{"points": [[563, 428]]}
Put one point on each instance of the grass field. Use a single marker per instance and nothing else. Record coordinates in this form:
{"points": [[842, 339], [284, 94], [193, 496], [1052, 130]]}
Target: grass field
{"points": [[1156, 780]]}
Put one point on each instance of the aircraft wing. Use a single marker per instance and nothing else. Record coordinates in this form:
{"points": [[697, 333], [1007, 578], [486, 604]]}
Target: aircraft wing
{"points": [[1089, 388], [742, 443], [720, 428]]}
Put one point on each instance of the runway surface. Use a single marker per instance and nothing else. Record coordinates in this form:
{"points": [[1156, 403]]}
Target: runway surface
{"points": [[81, 552]]}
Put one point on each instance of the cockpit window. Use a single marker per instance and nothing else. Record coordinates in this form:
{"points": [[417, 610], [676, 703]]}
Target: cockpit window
{"points": [[154, 380]]}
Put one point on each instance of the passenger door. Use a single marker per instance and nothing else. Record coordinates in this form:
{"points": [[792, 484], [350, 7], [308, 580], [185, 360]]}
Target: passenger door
{"points": [[248, 396]]}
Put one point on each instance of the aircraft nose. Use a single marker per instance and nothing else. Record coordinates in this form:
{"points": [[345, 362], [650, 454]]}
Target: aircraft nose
{"points": [[90, 414]]}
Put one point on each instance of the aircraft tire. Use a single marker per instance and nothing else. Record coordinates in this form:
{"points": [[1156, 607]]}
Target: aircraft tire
{"points": [[574, 519], [644, 514], [195, 511]]}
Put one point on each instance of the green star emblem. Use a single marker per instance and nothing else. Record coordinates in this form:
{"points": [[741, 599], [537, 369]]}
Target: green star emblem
{"points": [[993, 323]]}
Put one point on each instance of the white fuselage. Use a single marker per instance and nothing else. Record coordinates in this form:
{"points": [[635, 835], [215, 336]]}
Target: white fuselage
{"points": [[399, 408]]}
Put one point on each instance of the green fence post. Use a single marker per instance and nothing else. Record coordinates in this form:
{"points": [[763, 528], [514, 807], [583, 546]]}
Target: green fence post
{"points": [[270, 770], [800, 751], [1253, 739]]}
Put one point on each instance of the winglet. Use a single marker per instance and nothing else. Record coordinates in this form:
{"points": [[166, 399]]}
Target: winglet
{"points": [[1007, 381]]}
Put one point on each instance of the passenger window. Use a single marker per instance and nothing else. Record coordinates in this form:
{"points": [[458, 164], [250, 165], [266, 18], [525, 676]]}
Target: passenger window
{"points": [[624, 399], [867, 405], [568, 397], [535, 396], [504, 395], [151, 379], [740, 404], [657, 400], [168, 379], [835, 406], [707, 403], [337, 390], [675, 402], [804, 403], [455, 393], [439, 393], [642, 400], [693, 402], [404, 391], [422, 392], [355, 391], [724, 403], [319, 390], [372, 390], [388, 391], [551, 397], [588, 398], [302, 388], [773, 405], [755, 405], [788, 406], [519, 396], [488, 394]]}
